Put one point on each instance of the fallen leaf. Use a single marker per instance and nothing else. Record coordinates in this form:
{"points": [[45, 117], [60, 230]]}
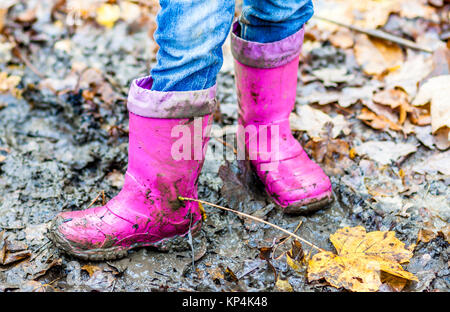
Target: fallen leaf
{"points": [[3, 12], [442, 139], [437, 92], [322, 98], [423, 134], [90, 269], [395, 99], [265, 253], [314, 121], [342, 38], [439, 162], [63, 45], [360, 259], [333, 75], [283, 285], [378, 122], [368, 14], [116, 179], [129, 11], [411, 72], [230, 276], [376, 57], [11, 252], [5, 51], [34, 286], [9, 84], [431, 229], [394, 283], [295, 256], [107, 14], [417, 8], [385, 152], [351, 95]]}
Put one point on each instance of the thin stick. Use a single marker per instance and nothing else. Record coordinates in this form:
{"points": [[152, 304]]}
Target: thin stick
{"points": [[102, 194], [253, 218], [378, 34], [226, 144], [23, 58], [284, 241]]}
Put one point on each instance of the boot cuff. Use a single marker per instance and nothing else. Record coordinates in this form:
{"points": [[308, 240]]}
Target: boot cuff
{"points": [[170, 105], [265, 55]]}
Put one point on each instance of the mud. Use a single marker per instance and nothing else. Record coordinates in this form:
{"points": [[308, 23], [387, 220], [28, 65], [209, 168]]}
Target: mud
{"points": [[62, 151]]}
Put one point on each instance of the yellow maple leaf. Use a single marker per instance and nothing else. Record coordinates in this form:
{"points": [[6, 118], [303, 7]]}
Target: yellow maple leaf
{"points": [[108, 14], [283, 285], [360, 259]]}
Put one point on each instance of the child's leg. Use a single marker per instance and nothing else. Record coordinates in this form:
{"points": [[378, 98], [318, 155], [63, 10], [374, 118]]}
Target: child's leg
{"points": [[169, 118], [190, 35], [273, 20], [266, 45]]}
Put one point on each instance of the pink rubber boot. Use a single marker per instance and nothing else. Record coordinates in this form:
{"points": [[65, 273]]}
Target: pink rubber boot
{"points": [[147, 212], [266, 83]]}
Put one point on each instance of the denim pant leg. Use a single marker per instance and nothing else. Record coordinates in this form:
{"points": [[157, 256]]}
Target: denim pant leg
{"points": [[190, 35], [272, 20]]}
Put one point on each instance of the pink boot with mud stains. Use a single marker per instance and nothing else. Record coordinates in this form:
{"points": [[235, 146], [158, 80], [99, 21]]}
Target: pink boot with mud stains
{"points": [[266, 83], [147, 212]]}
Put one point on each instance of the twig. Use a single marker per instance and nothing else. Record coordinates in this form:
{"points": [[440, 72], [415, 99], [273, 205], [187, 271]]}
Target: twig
{"points": [[253, 218], [23, 58], [226, 144], [284, 241], [377, 34], [102, 194]]}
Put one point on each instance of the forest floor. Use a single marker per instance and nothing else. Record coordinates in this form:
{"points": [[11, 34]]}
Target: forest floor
{"points": [[364, 112]]}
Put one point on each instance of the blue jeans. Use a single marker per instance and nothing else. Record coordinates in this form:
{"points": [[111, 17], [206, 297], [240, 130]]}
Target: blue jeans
{"points": [[190, 35]]}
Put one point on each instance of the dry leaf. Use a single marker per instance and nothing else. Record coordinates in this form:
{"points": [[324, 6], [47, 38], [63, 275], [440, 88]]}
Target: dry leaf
{"points": [[385, 152], [91, 269], [378, 122], [314, 121], [417, 8], [395, 283], [411, 72], [439, 162], [115, 178], [432, 228], [108, 14], [368, 13], [295, 257], [395, 99], [343, 38], [332, 75], [129, 11], [9, 83], [283, 285], [373, 13], [360, 259], [351, 95], [3, 12], [437, 92], [11, 252], [376, 57]]}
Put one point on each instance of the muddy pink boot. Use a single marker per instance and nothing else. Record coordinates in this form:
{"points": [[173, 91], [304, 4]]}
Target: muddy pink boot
{"points": [[147, 212], [266, 83]]}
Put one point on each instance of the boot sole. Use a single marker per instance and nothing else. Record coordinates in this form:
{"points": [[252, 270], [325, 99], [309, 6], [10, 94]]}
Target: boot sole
{"points": [[300, 207], [318, 204], [115, 252]]}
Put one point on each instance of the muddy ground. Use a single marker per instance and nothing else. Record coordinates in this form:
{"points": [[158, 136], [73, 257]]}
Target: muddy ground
{"points": [[62, 147]]}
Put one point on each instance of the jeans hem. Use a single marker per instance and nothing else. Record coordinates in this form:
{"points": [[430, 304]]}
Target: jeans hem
{"points": [[265, 55], [145, 102]]}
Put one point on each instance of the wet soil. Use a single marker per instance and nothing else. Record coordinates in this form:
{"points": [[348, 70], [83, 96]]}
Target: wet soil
{"points": [[62, 151]]}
